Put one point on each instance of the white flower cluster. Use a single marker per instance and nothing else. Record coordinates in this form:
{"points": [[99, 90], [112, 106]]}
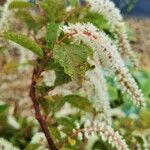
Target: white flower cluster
{"points": [[104, 131], [13, 122], [6, 145], [96, 83], [107, 9], [39, 138], [108, 55]]}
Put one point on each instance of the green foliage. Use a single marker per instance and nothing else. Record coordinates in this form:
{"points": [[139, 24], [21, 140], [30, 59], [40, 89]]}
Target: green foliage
{"points": [[31, 22], [20, 4], [54, 10], [3, 108], [55, 133], [25, 42], [97, 20], [52, 104], [52, 34], [3, 114], [74, 3], [79, 102], [99, 144], [55, 103], [74, 60], [18, 137], [61, 76], [32, 146]]}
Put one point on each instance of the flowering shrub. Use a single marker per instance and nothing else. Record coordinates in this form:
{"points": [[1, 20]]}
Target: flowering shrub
{"points": [[73, 45]]}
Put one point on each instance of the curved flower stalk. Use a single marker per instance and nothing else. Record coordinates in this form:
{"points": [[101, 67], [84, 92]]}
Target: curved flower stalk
{"points": [[107, 9], [95, 87], [108, 55], [4, 144], [104, 131]]}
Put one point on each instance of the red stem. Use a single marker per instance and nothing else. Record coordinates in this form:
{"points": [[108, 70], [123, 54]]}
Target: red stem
{"points": [[36, 73]]}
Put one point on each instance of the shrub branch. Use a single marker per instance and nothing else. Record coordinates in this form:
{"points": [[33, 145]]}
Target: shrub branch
{"points": [[36, 74]]}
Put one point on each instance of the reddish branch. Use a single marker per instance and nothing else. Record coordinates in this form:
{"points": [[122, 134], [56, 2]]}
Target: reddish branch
{"points": [[36, 74]]}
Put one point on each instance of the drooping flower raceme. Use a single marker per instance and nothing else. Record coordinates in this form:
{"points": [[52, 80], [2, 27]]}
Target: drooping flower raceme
{"points": [[104, 131], [106, 8], [112, 14], [108, 55], [96, 90]]}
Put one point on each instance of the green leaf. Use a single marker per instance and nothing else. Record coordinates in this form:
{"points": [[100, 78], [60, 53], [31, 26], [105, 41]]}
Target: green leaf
{"points": [[32, 146], [74, 60], [67, 122], [74, 3], [113, 94], [55, 133], [25, 42], [28, 19], [47, 10], [20, 4], [52, 34], [97, 20], [3, 108], [54, 10], [61, 76], [55, 103], [52, 104], [79, 102]]}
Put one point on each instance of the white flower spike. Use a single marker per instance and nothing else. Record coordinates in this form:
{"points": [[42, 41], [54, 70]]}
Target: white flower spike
{"points": [[105, 132], [108, 9], [108, 55], [96, 90]]}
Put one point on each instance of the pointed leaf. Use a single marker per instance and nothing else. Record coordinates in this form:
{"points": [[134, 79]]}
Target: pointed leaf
{"points": [[26, 17], [74, 60], [25, 42], [20, 4], [61, 76], [79, 102], [55, 133], [3, 108], [54, 10], [52, 33]]}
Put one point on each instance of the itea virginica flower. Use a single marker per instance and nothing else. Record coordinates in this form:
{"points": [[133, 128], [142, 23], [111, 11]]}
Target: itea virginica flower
{"points": [[108, 9], [103, 130], [95, 87], [108, 55]]}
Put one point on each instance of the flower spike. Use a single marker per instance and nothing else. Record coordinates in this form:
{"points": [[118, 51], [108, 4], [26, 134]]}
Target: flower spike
{"points": [[108, 55]]}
